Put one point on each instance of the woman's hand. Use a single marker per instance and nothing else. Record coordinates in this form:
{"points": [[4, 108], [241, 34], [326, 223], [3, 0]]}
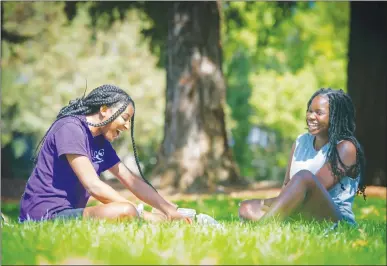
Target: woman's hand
{"points": [[154, 217], [145, 193], [172, 214]]}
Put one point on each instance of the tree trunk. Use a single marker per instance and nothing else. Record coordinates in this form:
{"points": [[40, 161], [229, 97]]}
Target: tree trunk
{"points": [[194, 154], [367, 83]]}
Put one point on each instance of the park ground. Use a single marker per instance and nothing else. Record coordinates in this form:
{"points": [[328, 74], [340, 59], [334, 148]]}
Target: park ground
{"points": [[236, 242]]}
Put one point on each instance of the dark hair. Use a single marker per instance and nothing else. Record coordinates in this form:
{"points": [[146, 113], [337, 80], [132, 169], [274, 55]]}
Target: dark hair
{"points": [[342, 126], [109, 95]]}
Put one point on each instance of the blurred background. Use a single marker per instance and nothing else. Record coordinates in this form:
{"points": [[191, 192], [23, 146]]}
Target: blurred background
{"points": [[269, 58]]}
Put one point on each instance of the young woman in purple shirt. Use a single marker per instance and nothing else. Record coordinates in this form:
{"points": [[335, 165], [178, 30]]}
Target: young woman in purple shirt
{"points": [[75, 151]]}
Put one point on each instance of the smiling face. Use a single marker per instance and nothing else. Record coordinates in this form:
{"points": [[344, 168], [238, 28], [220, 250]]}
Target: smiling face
{"points": [[122, 123], [317, 116]]}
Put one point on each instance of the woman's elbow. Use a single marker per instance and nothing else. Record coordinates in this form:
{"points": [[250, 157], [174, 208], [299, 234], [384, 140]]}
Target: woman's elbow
{"points": [[94, 188]]}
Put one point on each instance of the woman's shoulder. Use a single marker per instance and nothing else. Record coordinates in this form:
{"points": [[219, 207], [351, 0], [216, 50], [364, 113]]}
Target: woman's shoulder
{"points": [[68, 122], [347, 145], [304, 138], [347, 152]]}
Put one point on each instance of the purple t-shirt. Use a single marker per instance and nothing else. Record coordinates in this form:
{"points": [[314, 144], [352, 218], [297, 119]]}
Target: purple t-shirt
{"points": [[53, 185]]}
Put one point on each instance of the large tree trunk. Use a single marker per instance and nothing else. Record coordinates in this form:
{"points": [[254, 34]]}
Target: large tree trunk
{"points": [[367, 83], [194, 154]]}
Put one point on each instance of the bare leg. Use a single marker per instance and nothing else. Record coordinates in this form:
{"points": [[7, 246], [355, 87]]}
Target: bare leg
{"points": [[111, 211], [303, 194], [120, 211]]}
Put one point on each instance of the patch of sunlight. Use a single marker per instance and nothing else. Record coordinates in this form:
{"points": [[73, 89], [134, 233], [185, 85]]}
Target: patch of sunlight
{"points": [[372, 210], [211, 259], [295, 256], [359, 243], [69, 261]]}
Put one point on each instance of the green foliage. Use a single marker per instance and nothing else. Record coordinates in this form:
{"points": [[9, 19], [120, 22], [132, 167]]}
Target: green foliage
{"points": [[276, 56], [155, 13], [296, 242], [42, 74]]}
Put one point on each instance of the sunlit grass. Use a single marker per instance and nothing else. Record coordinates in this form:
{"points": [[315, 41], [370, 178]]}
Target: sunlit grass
{"points": [[298, 242]]}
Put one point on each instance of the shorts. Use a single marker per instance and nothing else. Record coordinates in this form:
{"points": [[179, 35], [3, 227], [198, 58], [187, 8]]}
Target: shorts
{"points": [[69, 214], [349, 219]]}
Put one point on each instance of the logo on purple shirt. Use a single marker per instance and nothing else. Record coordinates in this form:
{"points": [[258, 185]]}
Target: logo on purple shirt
{"points": [[98, 156]]}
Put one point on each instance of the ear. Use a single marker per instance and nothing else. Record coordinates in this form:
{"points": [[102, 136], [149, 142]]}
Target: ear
{"points": [[104, 110]]}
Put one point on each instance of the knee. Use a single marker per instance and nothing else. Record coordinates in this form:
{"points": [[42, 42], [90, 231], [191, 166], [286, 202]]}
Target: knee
{"points": [[305, 177], [126, 210]]}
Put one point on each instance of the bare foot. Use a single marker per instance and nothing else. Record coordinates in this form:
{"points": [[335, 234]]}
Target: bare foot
{"points": [[253, 209]]}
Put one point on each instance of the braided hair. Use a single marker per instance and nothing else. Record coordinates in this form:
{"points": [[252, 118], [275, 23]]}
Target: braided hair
{"points": [[109, 95], [342, 127]]}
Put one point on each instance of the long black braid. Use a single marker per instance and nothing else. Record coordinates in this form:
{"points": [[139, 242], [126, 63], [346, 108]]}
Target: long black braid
{"points": [[108, 95], [342, 126]]}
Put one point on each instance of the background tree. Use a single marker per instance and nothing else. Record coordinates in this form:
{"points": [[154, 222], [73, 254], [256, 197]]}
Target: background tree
{"points": [[367, 83], [194, 153], [177, 51]]}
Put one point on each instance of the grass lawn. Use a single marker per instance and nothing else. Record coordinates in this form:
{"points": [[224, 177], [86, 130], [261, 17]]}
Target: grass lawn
{"points": [[101, 242]]}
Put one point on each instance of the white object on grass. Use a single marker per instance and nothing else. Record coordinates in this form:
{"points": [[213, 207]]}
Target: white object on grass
{"points": [[140, 210], [205, 219], [189, 213]]}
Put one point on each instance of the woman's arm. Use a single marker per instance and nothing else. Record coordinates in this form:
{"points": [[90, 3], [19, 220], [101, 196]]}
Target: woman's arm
{"points": [[269, 201], [347, 154], [287, 174], [143, 191], [84, 170]]}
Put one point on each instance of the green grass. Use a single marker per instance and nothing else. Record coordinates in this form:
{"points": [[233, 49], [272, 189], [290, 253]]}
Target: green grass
{"points": [[101, 242]]}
